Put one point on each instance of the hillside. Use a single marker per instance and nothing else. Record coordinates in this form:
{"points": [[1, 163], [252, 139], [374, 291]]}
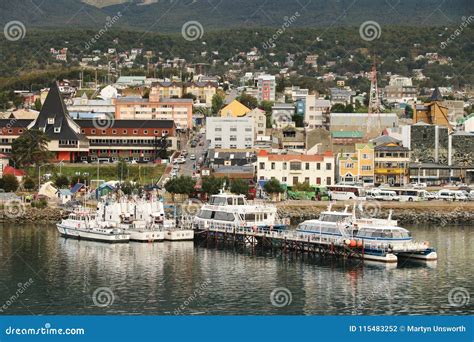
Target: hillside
{"points": [[170, 15]]}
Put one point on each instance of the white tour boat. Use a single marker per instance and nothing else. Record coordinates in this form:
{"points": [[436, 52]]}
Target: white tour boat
{"points": [[377, 239], [233, 211], [82, 225]]}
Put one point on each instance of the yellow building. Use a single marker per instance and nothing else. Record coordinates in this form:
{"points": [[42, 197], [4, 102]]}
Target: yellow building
{"points": [[391, 164], [432, 112], [204, 91], [160, 90], [357, 166], [234, 109]]}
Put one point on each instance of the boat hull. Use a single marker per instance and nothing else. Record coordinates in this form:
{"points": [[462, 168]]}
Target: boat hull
{"points": [[179, 235], [146, 236], [91, 236]]}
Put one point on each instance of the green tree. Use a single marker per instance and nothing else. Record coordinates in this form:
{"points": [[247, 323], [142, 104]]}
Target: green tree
{"points": [[10, 183], [302, 187], [349, 108], [189, 96], [408, 111], [273, 186], [61, 181], [212, 185], [122, 169], [38, 104], [338, 108], [239, 187], [29, 184], [183, 185], [248, 100], [217, 103], [31, 148]]}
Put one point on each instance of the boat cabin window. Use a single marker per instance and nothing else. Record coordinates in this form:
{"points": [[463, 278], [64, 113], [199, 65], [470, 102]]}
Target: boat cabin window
{"points": [[205, 214], [249, 217], [223, 216], [332, 218], [216, 200]]}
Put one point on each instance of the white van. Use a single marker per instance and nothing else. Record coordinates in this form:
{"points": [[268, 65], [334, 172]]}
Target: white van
{"points": [[386, 195], [452, 195]]}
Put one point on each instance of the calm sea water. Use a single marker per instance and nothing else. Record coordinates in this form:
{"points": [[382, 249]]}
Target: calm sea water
{"points": [[43, 273]]}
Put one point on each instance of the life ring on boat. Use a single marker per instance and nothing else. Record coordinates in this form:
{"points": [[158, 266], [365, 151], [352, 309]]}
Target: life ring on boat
{"points": [[347, 242]]}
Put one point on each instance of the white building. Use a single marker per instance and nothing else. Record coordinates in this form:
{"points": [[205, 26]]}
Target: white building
{"points": [[314, 109], [290, 169], [260, 121], [229, 132]]}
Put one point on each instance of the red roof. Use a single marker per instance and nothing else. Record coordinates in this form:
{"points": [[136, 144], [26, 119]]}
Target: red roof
{"points": [[10, 170]]}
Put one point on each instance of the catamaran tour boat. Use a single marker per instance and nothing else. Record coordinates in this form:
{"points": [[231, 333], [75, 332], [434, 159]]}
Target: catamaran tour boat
{"points": [[83, 225], [228, 211], [378, 239]]}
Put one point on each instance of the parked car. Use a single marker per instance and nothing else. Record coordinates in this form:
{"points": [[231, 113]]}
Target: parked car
{"points": [[386, 195], [430, 196], [192, 157], [452, 195]]}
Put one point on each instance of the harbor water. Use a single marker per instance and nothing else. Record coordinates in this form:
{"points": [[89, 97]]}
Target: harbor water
{"points": [[43, 273]]}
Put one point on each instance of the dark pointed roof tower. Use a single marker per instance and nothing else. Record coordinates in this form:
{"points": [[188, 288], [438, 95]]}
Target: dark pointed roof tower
{"points": [[436, 96], [54, 119]]}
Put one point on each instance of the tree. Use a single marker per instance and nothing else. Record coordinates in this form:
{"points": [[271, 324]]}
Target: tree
{"points": [[338, 108], [217, 103], [248, 100], [31, 148], [408, 111], [183, 185], [29, 183], [349, 108], [273, 186], [189, 96], [302, 187], [298, 120], [122, 169], [212, 185], [38, 104], [239, 187], [10, 183], [62, 182]]}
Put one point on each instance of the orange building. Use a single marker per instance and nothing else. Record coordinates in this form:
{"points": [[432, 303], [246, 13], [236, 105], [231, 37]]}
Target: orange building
{"points": [[432, 112]]}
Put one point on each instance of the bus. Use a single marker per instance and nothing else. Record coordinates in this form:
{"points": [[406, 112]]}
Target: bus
{"points": [[409, 195], [346, 192]]}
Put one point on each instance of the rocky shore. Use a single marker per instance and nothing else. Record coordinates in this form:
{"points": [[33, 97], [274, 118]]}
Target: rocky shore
{"points": [[440, 214], [27, 214]]}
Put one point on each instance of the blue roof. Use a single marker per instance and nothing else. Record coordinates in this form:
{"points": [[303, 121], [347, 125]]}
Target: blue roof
{"points": [[65, 192], [77, 187]]}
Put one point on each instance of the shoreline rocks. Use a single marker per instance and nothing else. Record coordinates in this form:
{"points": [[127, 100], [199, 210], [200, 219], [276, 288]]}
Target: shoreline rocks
{"points": [[27, 214]]}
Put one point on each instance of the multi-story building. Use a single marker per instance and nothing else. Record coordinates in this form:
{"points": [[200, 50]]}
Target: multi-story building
{"points": [[135, 108], [432, 112], [204, 91], [391, 164], [89, 140], [260, 121], [316, 112], [357, 166], [229, 132], [165, 90], [291, 169], [341, 95], [266, 85]]}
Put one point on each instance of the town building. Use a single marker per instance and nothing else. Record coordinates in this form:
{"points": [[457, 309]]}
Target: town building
{"points": [[432, 112], [316, 112], [230, 132], [358, 166], [135, 108], [341, 95], [282, 114], [234, 109], [82, 108], [204, 91], [291, 169], [165, 90], [260, 122], [130, 81], [266, 85], [391, 164]]}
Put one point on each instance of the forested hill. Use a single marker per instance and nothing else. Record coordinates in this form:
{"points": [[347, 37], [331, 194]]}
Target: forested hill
{"points": [[170, 15]]}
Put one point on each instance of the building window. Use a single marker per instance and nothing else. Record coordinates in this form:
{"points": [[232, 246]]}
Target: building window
{"points": [[218, 139], [10, 131], [318, 166], [307, 167], [262, 166], [104, 131], [365, 156], [135, 131], [283, 179], [366, 168], [233, 138], [349, 165], [328, 166], [328, 180], [218, 129], [295, 166], [318, 180], [57, 129], [145, 131], [306, 180], [165, 132], [233, 129], [155, 131], [272, 166], [124, 131], [284, 165], [114, 131], [83, 131], [50, 121]]}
